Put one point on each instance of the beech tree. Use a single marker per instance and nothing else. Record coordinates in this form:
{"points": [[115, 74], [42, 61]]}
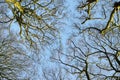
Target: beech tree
{"points": [[34, 19], [93, 50], [92, 57], [14, 61]]}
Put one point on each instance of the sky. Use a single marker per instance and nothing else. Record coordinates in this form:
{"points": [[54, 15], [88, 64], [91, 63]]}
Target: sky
{"points": [[66, 29]]}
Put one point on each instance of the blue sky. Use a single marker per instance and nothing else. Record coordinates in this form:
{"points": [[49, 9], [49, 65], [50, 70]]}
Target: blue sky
{"points": [[65, 24], [42, 60]]}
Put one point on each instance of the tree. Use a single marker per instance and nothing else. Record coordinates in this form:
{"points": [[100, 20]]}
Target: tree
{"points": [[111, 20], [93, 50], [35, 19], [92, 57], [9, 64], [35, 23], [15, 63]]}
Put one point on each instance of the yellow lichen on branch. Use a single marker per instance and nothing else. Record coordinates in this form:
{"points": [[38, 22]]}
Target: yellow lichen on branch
{"points": [[108, 23], [16, 4], [116, 8], [10, 1]]}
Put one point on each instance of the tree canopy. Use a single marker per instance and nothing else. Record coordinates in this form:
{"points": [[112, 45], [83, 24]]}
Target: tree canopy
{"points": [[83, 38]]}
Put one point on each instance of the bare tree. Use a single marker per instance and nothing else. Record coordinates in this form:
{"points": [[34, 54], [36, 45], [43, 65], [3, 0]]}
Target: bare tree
{"points": [[92, 56], [101, 17], [35, 19], [93, 52], [15, 63]]}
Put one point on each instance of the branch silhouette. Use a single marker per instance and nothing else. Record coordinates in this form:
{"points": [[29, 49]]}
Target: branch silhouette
{"points": [[116, 7]]}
